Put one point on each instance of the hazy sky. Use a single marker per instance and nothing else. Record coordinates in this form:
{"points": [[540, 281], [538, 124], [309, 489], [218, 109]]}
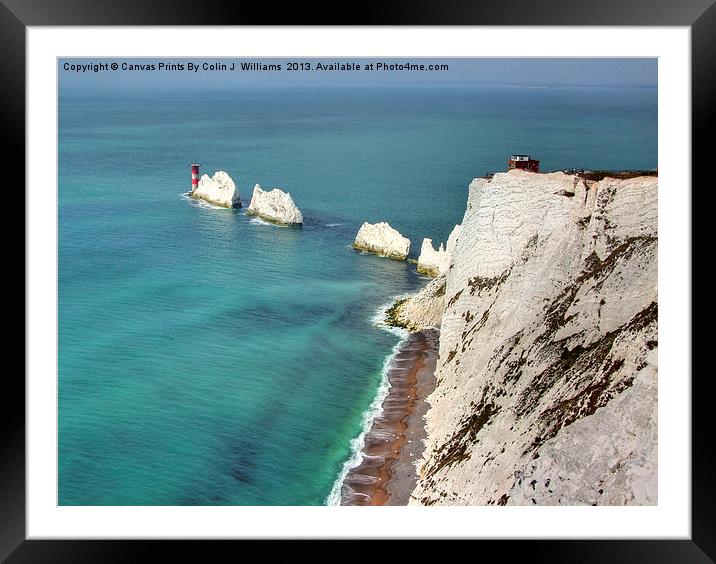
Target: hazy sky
{"points": [[463, 71]]}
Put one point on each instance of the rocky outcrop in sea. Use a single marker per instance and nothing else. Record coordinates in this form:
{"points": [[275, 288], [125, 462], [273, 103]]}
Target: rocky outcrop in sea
{"points": [[434, 263], [275, 206], [546, 379], [218, 190], [381, 239]]}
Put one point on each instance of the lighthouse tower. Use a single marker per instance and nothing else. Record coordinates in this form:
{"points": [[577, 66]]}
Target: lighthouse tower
{"points": [[194, 177]]}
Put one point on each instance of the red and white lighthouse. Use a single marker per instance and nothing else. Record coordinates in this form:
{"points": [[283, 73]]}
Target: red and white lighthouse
{"points": [[194, 177]]}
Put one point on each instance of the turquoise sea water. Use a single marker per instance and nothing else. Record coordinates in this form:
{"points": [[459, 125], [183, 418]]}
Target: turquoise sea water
{"points": [[208, 358]]}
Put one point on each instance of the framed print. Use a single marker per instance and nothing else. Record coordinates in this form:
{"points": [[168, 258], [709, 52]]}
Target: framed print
{"points": [[274, 273]]}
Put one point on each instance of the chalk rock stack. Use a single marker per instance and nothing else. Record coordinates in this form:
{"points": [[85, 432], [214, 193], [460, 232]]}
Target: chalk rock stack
{"points": [[381, 239], [275, 206], [218, 190], [434, 263], [547, 371]]}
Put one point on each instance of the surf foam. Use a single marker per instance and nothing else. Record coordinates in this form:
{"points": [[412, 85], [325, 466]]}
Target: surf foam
{"points": [[376, 406], [199, 203]]}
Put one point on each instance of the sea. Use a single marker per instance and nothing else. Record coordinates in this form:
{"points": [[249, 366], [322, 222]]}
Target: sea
{"points": [[209, 358]]}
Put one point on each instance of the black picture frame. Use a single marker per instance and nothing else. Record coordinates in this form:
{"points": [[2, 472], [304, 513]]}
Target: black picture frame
{"points": [[17, 15]]}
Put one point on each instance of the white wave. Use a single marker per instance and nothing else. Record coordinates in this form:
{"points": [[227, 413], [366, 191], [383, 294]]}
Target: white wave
{"points": [[334, 224], [258, 221], [379, 318], [200, 203], [356, 456]]}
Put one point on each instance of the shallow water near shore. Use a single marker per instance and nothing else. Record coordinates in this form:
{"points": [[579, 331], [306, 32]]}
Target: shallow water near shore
{"points": [[209, 358]]}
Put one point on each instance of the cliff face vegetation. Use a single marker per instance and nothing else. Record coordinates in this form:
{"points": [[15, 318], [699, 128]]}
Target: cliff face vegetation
{"points": [[424, 310], [546, 379]]}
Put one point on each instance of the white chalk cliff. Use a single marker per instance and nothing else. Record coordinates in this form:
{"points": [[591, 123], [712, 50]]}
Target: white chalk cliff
{"points": [[381, 239], [422, 311], [219, 190], [275, 206], [614, 451], [434, 263], [546, 379]]}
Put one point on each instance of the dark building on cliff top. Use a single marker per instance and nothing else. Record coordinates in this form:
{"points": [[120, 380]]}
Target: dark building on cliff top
{"points": [[523, 162]]}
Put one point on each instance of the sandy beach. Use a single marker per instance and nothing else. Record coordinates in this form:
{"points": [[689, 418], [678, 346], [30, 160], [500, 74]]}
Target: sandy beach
{"points": [[387, 473]]}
